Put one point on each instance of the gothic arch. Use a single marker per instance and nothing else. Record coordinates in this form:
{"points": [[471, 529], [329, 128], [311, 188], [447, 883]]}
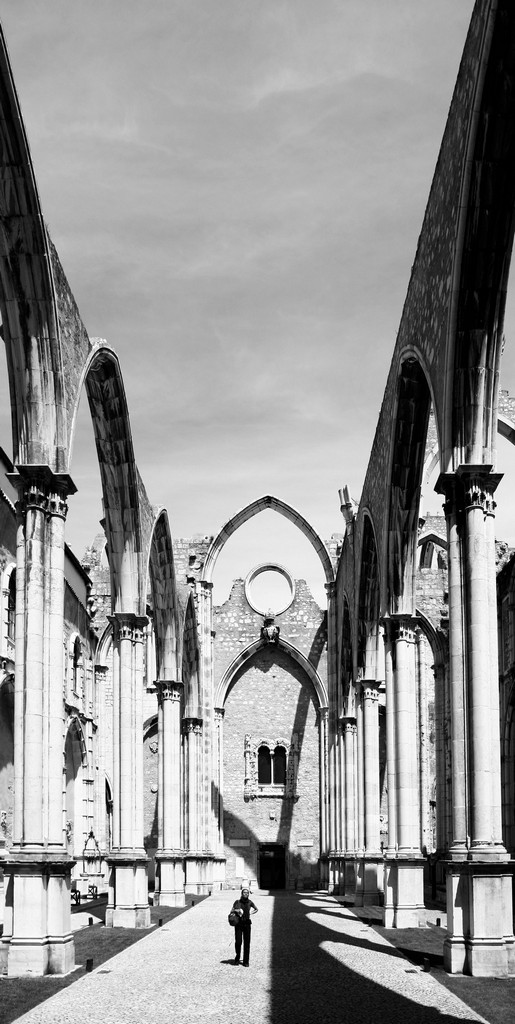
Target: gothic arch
{"points": [[483, 251], [225, 682], [189, 658], [161, 572], [346, 656], [120, 480], [30, 320], [413, 406], [276, 505], [368, 600]]}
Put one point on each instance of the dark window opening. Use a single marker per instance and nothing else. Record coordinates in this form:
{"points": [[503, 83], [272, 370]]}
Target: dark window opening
{"points": [[264, 766]]}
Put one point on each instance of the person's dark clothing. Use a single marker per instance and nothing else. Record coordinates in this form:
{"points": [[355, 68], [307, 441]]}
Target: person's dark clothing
{"points": [[242, 930]]}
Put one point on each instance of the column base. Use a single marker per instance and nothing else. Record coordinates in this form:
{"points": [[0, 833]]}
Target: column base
{"points": [[480, 939], [127, 902], [198, 868], [403, 892], [37, 937], [369, 881], [336, 870], [350, 880], [169, 891]]}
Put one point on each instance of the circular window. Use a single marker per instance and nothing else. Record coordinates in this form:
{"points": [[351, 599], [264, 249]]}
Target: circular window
{"points": [[269, 588]]}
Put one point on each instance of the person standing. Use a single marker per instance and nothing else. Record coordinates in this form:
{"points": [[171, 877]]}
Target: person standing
{"points": [[244, 907]]}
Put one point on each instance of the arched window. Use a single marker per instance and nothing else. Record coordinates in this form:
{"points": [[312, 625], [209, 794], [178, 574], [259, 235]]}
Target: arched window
{"points": [[279, 764], [11, 606], [264, 766]]}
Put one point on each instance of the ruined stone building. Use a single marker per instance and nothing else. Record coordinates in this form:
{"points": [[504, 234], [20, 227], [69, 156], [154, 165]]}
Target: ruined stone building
{"points": [[151, 741]]}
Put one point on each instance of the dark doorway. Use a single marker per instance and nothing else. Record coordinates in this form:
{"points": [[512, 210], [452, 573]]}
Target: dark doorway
{"points": [[272, 866]]}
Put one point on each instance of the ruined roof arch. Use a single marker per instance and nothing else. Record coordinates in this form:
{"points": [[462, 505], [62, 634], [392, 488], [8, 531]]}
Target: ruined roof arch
{"points": [[189, 654], [242, 657], [102, 379], [163, 589], [255, 507], [483, 248], [30, 318]]}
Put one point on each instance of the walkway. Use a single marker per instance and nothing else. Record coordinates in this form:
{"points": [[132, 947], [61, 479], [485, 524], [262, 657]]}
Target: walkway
{"points": [[311, 960]]}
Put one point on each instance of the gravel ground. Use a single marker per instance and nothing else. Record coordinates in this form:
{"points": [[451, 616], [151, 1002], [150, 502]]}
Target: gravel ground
{"points": [[311, 960]]}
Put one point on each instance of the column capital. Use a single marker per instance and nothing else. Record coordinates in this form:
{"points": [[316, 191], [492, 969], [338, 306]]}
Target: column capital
{"points": [[330, 588], [370, 689], [169, 689], [471, 486], [128, 626], [400, 626], [39, 487], [192, 725], [348, 724], [219, 714]]}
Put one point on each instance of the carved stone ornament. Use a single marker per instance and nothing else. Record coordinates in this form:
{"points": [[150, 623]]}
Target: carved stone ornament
{"points": [[251, 787], [269, 630]]}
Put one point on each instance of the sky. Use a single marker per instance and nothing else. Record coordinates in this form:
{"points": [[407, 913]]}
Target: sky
{"points": [[236, 189]]}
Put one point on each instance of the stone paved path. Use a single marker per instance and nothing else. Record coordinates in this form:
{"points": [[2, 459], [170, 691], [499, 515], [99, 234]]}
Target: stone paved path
{"points": [[311, 961]]}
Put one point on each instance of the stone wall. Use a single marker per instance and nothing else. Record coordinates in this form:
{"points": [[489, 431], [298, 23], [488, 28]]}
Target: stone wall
{"points": [[271, 699]]}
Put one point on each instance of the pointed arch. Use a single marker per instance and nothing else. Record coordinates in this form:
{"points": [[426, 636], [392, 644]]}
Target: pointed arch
{"points": [[30, 318], [189, 656], [255, 507], [484, 244], [412, 411], [225, 682], [103, 381], [161, 573], [368, 600]]}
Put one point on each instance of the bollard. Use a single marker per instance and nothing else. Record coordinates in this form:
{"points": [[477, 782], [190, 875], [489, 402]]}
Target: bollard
{"points": [[160, 922], [89, 964], [193, 903], [427, 964], [438, 922], [90, 921]]}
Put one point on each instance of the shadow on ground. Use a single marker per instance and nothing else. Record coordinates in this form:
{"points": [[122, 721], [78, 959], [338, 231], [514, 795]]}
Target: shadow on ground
{"points": [[333, 991], [95, 942]]}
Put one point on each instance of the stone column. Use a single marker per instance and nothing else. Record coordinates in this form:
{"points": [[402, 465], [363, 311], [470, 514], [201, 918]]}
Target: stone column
{"points": [[479, 883], [443, 768], [332, 867], [219, 780], [170, 853], [404, 871], [37, 936], [349, 725], [373, 858], [214, 867], [128, 887], [195, 857], [322, 731]]}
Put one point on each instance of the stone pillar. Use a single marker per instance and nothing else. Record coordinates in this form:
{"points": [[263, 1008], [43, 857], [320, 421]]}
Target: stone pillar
{"points": [[390, 746], [322, 730], [169, 889], [128, 887], [219, 780], [425, 839], [214, 864], [195, 859], [372, 858], [479, 883], [332, 867], [37, 936], [349, 725], [404, 870], [443, 771]]}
